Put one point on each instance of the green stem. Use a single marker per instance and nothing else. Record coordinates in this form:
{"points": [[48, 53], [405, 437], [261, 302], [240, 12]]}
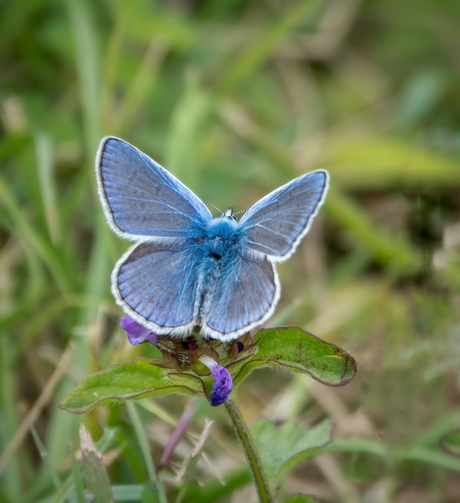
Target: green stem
{"points": [[250, 451]]}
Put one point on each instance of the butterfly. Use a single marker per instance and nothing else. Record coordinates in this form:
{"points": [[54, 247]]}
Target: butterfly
{"points": [[189, 272]]}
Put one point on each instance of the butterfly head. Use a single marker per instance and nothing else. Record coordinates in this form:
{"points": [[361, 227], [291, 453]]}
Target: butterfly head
{"points": [[229, 214]]}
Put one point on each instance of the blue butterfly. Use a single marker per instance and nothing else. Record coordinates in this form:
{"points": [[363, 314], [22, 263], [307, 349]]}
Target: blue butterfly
{"points": [[189, 271]]}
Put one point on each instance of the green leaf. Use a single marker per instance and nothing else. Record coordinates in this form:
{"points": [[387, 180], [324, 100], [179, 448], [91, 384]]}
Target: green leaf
{"points": [[450, 442], [151, 493], [283, 447], [218, 488], [187, 124], [386, 162], [129, 380], [95, 473], [295, 350], [301, 498], [77, 478], [388, 249], [258, 51]]}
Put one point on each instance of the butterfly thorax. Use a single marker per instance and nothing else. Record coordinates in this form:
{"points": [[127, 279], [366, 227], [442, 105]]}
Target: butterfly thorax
{"points": [[221, 237]]}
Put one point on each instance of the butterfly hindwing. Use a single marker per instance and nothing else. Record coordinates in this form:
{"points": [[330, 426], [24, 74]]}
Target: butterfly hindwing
{"points": [[140, 198], [246, 296], [155, 283], [275, 225]]}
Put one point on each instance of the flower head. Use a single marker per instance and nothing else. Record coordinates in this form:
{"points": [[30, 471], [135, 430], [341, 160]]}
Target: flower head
{"points": [[223, 383], [137, 334]]}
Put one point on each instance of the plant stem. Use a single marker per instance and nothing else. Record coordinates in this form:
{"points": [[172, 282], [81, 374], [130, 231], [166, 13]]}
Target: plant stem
{"points": [[250, 451]]}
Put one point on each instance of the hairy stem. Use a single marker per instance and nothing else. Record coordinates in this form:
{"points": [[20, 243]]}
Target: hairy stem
{"points": [[250, 451]]}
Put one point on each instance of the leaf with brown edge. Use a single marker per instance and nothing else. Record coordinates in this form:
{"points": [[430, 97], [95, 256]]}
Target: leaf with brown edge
{"points": [[295, 350]]}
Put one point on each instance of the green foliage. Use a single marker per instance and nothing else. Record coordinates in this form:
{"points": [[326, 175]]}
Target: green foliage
{"points": [[282, 447], [127, 381], [301, 498], [95, 474], [295, 350], [450, 442], [290, 348]]}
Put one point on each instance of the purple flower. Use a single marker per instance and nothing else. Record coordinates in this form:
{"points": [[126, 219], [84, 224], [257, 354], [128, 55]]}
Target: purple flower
{"points": [[223, 383], [137, 334]]}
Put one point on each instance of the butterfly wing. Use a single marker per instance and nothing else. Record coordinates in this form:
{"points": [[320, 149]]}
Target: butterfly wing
{"points": [[275, 225], [246, 295], [140, 198], [155, 283]]}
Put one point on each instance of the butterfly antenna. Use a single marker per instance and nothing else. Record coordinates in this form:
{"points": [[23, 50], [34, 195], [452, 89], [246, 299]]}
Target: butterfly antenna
{"points": [[214, 207], [233, 215], [229, 213]]}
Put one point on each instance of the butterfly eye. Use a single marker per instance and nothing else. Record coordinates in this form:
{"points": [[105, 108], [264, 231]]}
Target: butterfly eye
{"points": [[185, 345], [240, 346]]}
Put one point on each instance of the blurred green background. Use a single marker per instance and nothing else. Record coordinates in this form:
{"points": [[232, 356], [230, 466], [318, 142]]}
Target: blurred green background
{"points": [[236, 98]]}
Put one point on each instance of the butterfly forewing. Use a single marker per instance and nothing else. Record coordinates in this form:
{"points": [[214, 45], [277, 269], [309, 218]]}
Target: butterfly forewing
{"points": [[140, 198], [156, 282], [275, 225]]}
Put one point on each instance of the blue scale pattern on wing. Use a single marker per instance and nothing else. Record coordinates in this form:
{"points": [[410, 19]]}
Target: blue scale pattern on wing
{"points": [[274, 223], [246, 291], [158, 281], [143, 198]]}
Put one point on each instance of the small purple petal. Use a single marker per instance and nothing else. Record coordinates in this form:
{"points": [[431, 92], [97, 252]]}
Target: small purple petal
{"points": [[222, 387], [223, 383], [137, 334]]}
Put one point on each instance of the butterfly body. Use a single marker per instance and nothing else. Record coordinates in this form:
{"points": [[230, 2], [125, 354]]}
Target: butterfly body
{"points": [[214, 255], [189, 271]]}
